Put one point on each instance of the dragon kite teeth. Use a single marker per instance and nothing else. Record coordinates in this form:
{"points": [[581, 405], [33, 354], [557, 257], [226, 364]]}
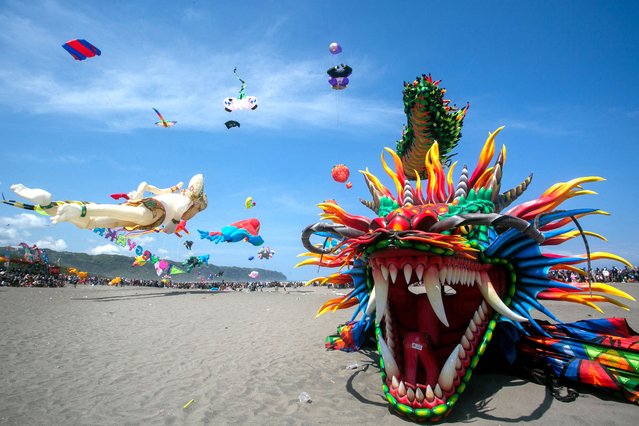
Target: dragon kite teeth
{"points": [[432, 284]]}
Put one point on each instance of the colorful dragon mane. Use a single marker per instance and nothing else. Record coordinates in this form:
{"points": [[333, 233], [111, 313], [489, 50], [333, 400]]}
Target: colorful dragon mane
{"points": [[443, 263]]}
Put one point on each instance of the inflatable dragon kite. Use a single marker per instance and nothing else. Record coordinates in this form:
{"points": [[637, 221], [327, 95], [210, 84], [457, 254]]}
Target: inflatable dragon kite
{"points": [[444, 265]]}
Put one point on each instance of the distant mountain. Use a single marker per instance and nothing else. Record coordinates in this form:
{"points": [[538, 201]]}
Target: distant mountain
{"points": [[111, 265]]}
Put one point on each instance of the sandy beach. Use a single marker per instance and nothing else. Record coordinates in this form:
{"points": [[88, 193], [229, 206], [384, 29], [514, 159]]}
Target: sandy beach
{"points": [[106, 356]]}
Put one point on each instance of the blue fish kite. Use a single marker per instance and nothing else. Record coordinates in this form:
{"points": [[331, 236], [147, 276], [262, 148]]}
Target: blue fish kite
{"points": [[244, 230]]}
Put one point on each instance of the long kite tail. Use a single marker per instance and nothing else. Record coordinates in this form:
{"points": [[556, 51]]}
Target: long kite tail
{"points": [[43, 210], [602, 353], [18, 204], [34, 207], [159, 115], [242, 95], [238, 77]]}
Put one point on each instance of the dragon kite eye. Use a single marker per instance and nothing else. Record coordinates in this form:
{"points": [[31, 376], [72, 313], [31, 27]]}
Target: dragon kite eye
{"points": [[465, 229]]}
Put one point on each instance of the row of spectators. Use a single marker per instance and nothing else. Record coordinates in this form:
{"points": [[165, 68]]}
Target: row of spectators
{"points": [[38, 276], [602, 275]]}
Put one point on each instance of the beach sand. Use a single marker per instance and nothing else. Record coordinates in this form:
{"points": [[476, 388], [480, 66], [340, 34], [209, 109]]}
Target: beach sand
{"points": [[106, 356]]}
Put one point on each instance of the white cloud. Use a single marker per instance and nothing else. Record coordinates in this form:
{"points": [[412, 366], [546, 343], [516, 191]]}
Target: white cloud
{"points": [[49, 157], [536, 126], [24, 221], [118, 91], [15, 229], [50, 243], [125, 94], [8, 235], [105, 249], [144, 240]]}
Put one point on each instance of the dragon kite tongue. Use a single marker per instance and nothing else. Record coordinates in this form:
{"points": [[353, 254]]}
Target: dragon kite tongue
{"points": [[439, 264]]}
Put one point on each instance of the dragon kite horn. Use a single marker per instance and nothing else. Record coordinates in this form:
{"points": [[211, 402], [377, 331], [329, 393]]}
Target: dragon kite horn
{"points": [[506, 198]]}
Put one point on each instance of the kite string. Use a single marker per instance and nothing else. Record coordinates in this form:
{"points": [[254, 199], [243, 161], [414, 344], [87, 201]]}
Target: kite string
{"points": [[583, 236], [337, 94], [242, 94]]}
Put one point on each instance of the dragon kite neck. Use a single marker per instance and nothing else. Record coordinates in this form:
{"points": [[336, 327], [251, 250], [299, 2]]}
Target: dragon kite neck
{"points": [[430, 119], [442, 263]]}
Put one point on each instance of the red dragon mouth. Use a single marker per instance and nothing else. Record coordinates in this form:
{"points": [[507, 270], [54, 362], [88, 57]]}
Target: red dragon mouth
{"points": [[433, 313]]}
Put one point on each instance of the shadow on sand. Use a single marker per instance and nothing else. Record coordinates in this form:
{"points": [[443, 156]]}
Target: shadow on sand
{"points": [[145, 296], [474, 405]]}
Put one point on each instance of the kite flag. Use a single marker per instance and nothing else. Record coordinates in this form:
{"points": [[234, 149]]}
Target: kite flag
{"points": [[175, 270], [81, 49]]}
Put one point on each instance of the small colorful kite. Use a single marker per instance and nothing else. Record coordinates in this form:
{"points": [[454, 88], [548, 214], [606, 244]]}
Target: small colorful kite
{"points": [[81, 49], [339, 76], [335, 48], [161, 266], [249, 203], [242, 101], [195, 261], [265, 253], [139, 261], [163, 123], [340, 173], [181, 226]]}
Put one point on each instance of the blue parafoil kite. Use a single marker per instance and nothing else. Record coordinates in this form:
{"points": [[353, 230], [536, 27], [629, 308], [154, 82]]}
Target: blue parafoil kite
{"points": [[81, 49]]}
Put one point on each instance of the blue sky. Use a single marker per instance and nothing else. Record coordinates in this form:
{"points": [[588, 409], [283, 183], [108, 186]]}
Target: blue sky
{"points": [[561, 76]]}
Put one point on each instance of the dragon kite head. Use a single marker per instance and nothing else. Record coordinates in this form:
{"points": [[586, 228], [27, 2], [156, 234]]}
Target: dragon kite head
{"points": [[440, 264]]}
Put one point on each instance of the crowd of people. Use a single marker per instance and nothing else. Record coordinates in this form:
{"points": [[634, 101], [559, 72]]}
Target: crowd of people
{"points": [[37, 275], [600, 275]]}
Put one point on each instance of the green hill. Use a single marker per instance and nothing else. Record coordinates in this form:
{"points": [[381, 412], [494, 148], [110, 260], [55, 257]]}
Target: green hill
{"points": [[109, 265]]}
